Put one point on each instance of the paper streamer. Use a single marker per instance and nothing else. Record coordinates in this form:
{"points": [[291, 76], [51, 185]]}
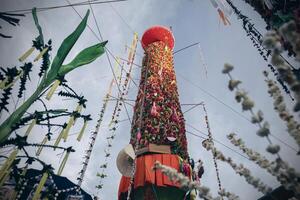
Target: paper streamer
{"points": [[40, 186], [63, 163], [26, 54]]}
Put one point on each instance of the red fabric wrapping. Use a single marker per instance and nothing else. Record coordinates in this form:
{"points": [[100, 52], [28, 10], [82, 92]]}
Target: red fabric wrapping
{"points": [[145, 175]]}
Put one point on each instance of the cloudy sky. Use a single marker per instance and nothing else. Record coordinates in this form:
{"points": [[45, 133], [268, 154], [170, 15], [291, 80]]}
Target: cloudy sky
{"points": [[192, 21]]}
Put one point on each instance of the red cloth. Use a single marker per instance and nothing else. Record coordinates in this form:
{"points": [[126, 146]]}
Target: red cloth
{"points": [[145, 175]]}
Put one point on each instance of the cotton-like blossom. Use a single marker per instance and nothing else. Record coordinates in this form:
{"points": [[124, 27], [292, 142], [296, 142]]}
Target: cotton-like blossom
{"points": [[258, 117], [184, 181], [233, 84], [247, 104], [227, 68], [273, 149], [264, 130], [239, 169], [239, 95]]}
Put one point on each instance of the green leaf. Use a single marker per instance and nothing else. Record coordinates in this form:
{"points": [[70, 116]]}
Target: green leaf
{"points": [[66, 47], [86, 56], [36, 21]]}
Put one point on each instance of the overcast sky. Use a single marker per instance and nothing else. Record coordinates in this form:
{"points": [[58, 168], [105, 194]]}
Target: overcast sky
{"points": [[192, 21]]}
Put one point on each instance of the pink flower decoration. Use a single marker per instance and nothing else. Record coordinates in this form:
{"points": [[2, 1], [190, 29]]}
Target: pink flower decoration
{"points": [[138, 136], [154, 110]]}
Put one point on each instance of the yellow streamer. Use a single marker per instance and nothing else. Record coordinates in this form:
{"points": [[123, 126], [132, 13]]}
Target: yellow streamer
{"points": [[5, 169], [33, 122], [26, 54], [40, 186], [82, 131], [78, 109], [67, 129], [38, 152], [4, 82], [52, 89], [63, 163], [40, 54], [58, 139]]}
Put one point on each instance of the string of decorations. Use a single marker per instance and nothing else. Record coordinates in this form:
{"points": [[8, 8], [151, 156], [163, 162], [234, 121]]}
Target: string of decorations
{"points": [[264, 131], [185, 182], [93, 137], [293, 127], [256, 38], [113, 125], [239, 169], [285, 175], [210, 138], [248, 105], [272, 41]]}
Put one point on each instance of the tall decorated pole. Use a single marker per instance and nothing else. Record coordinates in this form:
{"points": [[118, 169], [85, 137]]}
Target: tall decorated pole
{"points": [[158, 129]]}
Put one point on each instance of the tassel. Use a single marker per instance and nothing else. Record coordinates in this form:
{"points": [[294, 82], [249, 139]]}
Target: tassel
{"points": [[52, 89], [26, 54], [33, 122], [60, 136], [41, 54], [67, 129], [3, 83], [38, 152], [6, 166], [82, 131], [40, 186], [63, 163], [132, 49]]}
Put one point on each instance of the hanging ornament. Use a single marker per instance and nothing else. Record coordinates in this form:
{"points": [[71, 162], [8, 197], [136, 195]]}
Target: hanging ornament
{"points": [[175, 117], [41, 54], [64, 161], [5, 84], [171, 138], [52, 89], [40, 186], [33, 122], [39, 150], [82, 130], [154, 112], [5, 169], [26, 54], [60, 136], [138, 136]]}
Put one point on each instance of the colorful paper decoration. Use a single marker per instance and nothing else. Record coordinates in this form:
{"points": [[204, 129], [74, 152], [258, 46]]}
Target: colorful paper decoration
{"points": [[132, 49]]}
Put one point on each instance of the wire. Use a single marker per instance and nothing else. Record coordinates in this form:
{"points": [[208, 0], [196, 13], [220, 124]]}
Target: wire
{"points": [[184, 48], [217, 141], [41, 9]]}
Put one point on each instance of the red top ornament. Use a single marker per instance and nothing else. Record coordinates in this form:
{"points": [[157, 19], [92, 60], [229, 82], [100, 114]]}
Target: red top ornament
{"points": [[158, 33]]}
